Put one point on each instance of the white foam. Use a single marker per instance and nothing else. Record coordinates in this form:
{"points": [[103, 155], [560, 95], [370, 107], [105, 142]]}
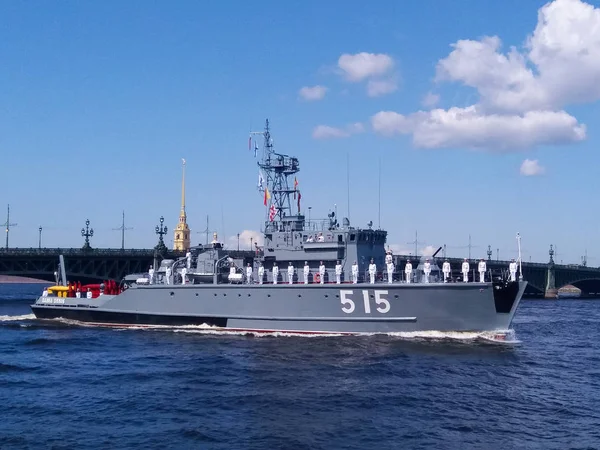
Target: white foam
{"points": [[497, 336], [15, 318]]}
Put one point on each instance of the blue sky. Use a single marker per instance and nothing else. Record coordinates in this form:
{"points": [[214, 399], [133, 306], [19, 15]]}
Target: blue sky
{"points": [[99, 101]]}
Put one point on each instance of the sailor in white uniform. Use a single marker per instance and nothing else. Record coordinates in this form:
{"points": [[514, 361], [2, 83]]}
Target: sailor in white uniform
{"points": [[446, 270], [389, 264], [290, 273], [322, 273], [512, 268], [151, 274], [183, 275], [372, 271], [88, 294], [188, 257], [321, 238], [338, 273], [249, 274], [408, 271], [355, 272], [261, 273], [306, 272], [168, 274], [427, 270], [275, 273], [465, 270], [481, 268], [77, 294]]}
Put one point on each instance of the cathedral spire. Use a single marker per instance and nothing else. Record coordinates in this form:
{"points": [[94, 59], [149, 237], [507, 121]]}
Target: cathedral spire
{"points": [[181, 239], [183, 186]]}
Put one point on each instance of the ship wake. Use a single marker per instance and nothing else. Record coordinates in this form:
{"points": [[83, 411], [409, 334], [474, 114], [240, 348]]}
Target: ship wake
{"points": [[507, 337]]}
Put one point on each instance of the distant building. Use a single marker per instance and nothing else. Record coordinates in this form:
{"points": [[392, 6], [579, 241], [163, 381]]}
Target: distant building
{"points": [[181, 240]]}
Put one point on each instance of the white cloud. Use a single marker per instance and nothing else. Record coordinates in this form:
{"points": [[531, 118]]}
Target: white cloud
{"points": [[467, 127], [364, 65], [522, 93], [531, 167], [430, 100], [427, 251], [327, 132], [247, 238], [376, 88], [312, 93]]}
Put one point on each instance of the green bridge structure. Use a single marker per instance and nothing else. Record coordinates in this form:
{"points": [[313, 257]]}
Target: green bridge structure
{"points": [[89, 265]]}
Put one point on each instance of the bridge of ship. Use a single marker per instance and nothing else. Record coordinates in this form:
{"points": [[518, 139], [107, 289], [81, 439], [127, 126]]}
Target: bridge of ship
{"points": [[93, 265]]}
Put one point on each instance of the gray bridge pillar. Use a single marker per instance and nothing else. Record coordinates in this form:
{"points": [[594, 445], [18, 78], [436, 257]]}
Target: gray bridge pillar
{"points": [[551, 291]]}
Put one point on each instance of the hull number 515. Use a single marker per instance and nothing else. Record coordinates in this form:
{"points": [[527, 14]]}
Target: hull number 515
{"points": [[382, 305]]}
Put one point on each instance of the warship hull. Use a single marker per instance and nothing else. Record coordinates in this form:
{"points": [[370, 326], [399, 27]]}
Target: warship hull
{"points": [[298, 308]]}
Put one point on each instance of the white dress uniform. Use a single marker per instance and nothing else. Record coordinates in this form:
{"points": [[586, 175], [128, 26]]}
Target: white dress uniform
{"points": [[275, 274], [372, 272], [446, 270], [183, 275], [249, 274], [465, 271], [427, 270], [151, 275], [481, 268], [390, 272], [306, 273], [261, 274], [291, 274], [169, 271], [512, 267], [322, 274], [355, 273], [188, 256], [338, 273], [408, 271]]}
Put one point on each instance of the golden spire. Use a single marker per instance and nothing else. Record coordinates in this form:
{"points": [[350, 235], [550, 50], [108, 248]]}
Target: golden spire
{"points": [[183, 186], [181, 239]]}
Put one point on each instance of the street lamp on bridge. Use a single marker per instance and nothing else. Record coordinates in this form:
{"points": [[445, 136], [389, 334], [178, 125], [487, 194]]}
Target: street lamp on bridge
{"points": [[87, 232], [40, 238], [161, 231]]}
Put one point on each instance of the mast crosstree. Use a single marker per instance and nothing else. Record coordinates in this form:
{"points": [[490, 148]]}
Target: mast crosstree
{"points": [[278, 168]]}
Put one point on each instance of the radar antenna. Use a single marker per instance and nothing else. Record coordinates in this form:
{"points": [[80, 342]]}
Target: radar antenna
{"points": [[277, 169]]}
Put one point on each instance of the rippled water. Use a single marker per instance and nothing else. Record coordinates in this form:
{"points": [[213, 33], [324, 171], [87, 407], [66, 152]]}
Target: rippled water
{"points": [[64, 385]]}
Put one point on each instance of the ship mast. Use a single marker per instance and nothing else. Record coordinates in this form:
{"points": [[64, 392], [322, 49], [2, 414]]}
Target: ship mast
{"points": [[277, 169]]}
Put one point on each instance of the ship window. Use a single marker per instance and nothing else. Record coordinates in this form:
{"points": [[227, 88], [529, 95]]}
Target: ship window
{"points": [[196, 294], [352, 237], [172, 293]]}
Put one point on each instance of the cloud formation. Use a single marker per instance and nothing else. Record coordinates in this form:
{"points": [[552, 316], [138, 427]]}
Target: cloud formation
{"points": [[531, 167], [376, 69], [521, 93], [312, 93], [327, 132], [247, 238]]}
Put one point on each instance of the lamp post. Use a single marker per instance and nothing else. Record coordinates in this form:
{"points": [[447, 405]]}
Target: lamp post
{"points": [[251, 239], [238, 236], [161, 231], [87, 232], [40, 238]]}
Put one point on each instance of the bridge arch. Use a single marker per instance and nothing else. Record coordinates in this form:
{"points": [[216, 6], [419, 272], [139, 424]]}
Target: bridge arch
{"points": [[588, 286]]}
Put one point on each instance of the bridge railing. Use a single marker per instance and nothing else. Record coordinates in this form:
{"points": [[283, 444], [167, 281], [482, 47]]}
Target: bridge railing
{"points": [[79, 252]]}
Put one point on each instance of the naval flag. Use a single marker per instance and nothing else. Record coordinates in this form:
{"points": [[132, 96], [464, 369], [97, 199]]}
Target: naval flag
{"points": [[261, 179], [249, 142], [255, 148], [272, 213], [267, 196]]}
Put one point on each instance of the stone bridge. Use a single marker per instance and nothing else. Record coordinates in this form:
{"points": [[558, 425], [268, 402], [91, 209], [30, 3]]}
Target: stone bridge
{"points": [[92, 265]]}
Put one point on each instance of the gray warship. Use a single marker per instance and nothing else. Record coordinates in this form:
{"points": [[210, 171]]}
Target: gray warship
{"points": [[257, 291]]}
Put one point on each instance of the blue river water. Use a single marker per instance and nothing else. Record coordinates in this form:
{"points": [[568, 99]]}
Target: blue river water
{"points": [[67, 386]]}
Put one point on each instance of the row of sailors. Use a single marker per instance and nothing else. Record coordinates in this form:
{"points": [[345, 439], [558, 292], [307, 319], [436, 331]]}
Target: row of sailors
{"points": [[408, 269]]}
